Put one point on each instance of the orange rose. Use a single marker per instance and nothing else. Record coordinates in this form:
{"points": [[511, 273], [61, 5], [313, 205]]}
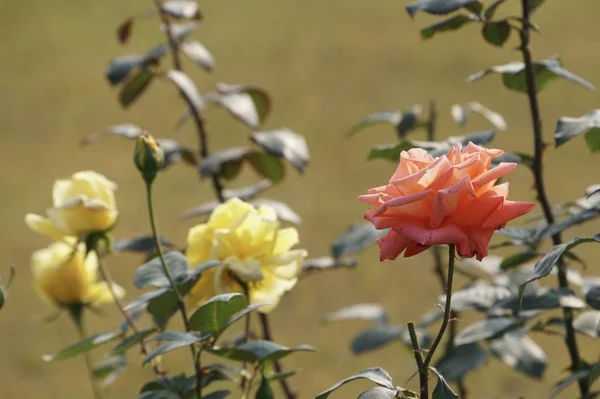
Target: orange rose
{"points": [[452, 199]]}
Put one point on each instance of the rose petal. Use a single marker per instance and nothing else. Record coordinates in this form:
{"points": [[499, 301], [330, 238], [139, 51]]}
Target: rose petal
{"points": [[448, 234], [391, 245], [414, 249], [447, 200], [474, 213], [510, 210], [499, 171]]}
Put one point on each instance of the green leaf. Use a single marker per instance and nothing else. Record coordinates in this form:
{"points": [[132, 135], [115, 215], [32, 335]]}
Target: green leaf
{"points": [[564, 384], [543, 299], [213, 316], [592, 297], [512, 261], [283, 211], [480, 297], [450, 24], [134, 87], [86, 344], [131, 341], [151, 274], [108, 370], [181, 9], [249, 104], [267, 165], [121, 67], [127, 130], [188, 88], [484, 329], [441, 7], [460, 360], [594, 373], [361, 311], [513, 74], [520, 353], [391, 117], [376, 374], [163, 307], [496, 33], [141, 244], [491, 10], [460, 114], [258, 351], [264, 390], [378, 393], [545, 265], [375, 338], [224, 163], [173, 340], [442, 390], [390, 152], [327, 263], [588, 124], [588, 323], [355, 239], [286, 144]]}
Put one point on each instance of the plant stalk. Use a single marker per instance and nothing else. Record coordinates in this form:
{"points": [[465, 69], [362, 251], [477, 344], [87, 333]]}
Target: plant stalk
{"points": [[86, 355], [542, 196], [180, 303], [423, 380], [266, 330]]}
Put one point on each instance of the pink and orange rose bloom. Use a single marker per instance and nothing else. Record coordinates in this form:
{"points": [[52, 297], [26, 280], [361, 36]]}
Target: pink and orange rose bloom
{"points": [[451, 199]]}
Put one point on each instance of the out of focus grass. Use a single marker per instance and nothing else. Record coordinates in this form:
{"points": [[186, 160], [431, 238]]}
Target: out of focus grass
{"points": [[326, 64]]}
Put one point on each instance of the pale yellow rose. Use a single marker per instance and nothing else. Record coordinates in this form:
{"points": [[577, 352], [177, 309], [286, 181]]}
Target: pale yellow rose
{"points": [[253, 250], [63, 274], [83, 204]]}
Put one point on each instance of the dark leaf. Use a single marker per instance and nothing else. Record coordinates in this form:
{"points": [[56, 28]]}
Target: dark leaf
{"points": [[182, 9], [512, 261], [173, 340], [108, 370], [542, 299], [188, 88], [86, 344], [249, 104], [135, 86], [480, 297], [390, 152], [220, 394], [520, 353], [442, 390], [283, 211], [213, 316], [355, 239], [588, 124], [484, 329], [592, 297], [450, 24], [264, 390], [258, 351], [409, 120], [181, 31], [545, 265], [124, 30], [513, 74], [141, 244], [460, 360], [238, 316], [285, 144], [267, 165], [378, 393], [594, 373], [576, 219], [131, 341], [152, 273], [221, 161], [375, 338], [391, 117], [376, 374], [163, 307], [439, 7], [496, 33], [120, 68], [199, 54], [588, 323], [564, 384], [175, 152]]}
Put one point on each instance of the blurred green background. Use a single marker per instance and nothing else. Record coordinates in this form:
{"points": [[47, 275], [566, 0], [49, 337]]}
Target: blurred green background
{"points": [[326, 64]]}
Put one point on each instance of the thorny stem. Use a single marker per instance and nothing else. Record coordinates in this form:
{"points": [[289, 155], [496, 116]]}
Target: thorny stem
{"points": [[447, 308], [194, 111], [437, 255], [542, 196], [266, 329], [104, 273], [423, 381], [180, 303]]}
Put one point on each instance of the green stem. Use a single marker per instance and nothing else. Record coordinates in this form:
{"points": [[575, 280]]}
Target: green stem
{"points": [[180, 303], [267, 335], [423, 382], [447, 308], [539, 145], [77, 319]]}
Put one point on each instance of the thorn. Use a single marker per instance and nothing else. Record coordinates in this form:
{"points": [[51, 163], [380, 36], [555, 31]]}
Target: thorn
{"points": [[440, 307]]}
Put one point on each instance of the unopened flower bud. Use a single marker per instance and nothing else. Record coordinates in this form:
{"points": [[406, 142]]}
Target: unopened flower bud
{"points": [[148, 157]]}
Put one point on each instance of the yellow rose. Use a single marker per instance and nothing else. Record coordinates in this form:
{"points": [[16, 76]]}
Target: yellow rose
{"points": [[253, 250], [63, 274], [83, 204]]}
